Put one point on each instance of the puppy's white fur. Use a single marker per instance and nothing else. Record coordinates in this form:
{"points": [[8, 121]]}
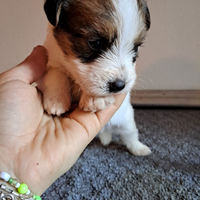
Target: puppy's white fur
{"points": [[58, 90]]}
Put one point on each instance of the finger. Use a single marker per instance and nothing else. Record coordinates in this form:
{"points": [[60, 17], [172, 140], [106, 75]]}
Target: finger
{"points": [[93, 122], [105, 115], [32, 68], [34, 65]]}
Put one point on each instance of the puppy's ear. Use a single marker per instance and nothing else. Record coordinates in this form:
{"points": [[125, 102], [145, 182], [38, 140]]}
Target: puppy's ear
{"points": [[53, 9], [143, 6], [148, 18]]}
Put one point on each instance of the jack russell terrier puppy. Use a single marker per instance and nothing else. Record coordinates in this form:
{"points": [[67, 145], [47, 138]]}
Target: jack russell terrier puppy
{"points": [[92, 47]]}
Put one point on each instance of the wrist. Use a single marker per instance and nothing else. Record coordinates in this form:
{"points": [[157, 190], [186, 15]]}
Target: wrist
{"points": [[21, 171], [6, 166], [11, 188]]}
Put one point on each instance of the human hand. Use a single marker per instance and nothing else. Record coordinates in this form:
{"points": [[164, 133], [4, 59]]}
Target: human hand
{"points": [[37, 148]]}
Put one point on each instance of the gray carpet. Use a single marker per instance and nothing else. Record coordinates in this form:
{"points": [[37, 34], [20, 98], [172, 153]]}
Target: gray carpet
{"points": [[171, 172]]}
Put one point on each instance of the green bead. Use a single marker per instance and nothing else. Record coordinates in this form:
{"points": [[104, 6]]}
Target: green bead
{"points": [[23, 188], [36, 197], [14, 182], [10, 180]]}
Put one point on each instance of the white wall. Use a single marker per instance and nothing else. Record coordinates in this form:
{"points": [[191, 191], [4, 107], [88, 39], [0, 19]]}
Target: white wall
{"points": [[22, 26], [170, 58]]}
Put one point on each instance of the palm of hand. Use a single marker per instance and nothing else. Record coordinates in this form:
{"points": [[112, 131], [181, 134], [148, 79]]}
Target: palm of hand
{"points": [[37, 141]]}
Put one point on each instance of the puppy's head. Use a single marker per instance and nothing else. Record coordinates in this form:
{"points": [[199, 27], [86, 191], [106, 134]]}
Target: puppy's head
{"points": [[100, 40]]}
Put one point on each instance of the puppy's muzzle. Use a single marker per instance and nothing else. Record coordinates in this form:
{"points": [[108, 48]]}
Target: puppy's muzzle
{"points": [[116, 86]]}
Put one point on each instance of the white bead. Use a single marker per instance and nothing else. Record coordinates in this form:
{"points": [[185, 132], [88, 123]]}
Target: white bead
{"points": [[28, 192], [17, 185], [5, 176]]}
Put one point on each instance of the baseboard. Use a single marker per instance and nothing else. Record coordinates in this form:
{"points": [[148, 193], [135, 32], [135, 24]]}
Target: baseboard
{"points": [[183, 98]]}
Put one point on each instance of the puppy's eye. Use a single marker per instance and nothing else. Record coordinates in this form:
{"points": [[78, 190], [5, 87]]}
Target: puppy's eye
{"points": [[134, 59], [95, 44], [136, 46], [135, 49]]}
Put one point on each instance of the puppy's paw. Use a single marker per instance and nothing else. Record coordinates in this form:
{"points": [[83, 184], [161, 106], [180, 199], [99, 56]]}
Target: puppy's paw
{"points": [[140, 149], [93, 104], [56, 105], [56, 88], [105, 137]]}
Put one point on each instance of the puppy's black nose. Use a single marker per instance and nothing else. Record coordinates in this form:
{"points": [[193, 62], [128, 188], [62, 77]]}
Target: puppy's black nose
{"points": [[116, 86]]}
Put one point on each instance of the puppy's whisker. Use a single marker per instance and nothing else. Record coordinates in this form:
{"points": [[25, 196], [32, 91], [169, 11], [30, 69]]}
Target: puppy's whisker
{"points": [[141, 80], [69, 90], [79, 88], [133, 91], [138, 84], [85, 93], [146, 77]]}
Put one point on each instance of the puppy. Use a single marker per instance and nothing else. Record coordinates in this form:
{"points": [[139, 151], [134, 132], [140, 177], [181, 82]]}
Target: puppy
{"points": [[92, 47]]}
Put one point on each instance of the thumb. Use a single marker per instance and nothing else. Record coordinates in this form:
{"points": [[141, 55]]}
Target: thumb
{"points": [[31, 69]]}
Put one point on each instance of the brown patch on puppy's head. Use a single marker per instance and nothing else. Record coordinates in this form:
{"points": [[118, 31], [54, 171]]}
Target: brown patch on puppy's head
{"points": [[89, 26], [142, 4], [144, 11]]}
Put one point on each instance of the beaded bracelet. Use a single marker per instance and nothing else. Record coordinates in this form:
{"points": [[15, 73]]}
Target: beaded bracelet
{"points": [[23, 193]]}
